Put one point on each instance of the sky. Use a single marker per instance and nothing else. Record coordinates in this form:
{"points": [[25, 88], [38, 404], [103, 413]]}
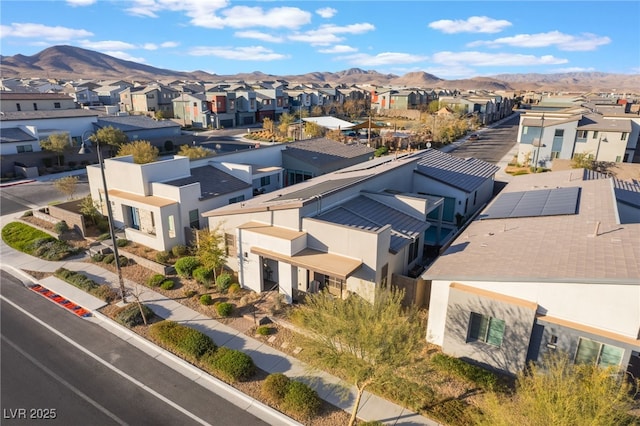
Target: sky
{"points": [[449, 39]]}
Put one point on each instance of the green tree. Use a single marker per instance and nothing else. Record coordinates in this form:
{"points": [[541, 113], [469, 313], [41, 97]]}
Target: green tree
{"points": [[210, 249], [195, 152], [56, 142], [89, 209], [583, 160], [561, 393], [286, 120], [109, 136], [313, 130], [142, 151], [433, 107], [67, 185], [366, 343]]}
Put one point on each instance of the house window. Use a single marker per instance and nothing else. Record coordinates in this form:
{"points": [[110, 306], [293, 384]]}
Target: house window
{"points": [[384, 276], [172, 226], [595, 135], [230, 244], [35, 106], [265, 180], [414, 248], [623, 137], [592, 352], [559, 133], [18, 107], [232, 104], [236, 199], [24, 148], [475, 197], [618, 158], [134, 216], [582, 134], [194, 219], [555, 154], [486, 329], [56, 105]]}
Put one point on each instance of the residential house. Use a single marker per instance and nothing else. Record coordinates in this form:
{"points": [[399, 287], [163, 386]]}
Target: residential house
{"points": [[348, 231], [149, 99], [18, 140], [22, 102], [140, 127], [192, 110], [549, 266], [223, 107]]}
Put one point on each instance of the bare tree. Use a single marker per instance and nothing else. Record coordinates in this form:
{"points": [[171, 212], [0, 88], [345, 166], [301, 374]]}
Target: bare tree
{"points": [[67, 185]]}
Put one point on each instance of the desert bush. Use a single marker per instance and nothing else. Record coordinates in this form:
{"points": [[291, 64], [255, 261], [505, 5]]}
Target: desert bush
{"points": [[131, 316], [203, 275], [206, 299], [301, 399], [123, 260], [104, 235], [28, 213], [162, 257], [232, 364], [274, 387], [234, 288], [223, 281], [122, 242], [478, 375], [224, 309], [61, 227], [103, 226], [30, 240], [81, 281], [264, 330], [186, 265], [105, 292], [182, 340], [155, 280], [98, 257], [167, 284], [179, 250], [109, 258], [189, 293]]}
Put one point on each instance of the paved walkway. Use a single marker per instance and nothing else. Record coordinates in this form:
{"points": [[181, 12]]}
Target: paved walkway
{"points": [[265, 357]]}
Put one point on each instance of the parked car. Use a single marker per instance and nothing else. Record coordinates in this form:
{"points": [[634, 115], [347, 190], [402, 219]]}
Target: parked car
{"points": [[474, 137]]}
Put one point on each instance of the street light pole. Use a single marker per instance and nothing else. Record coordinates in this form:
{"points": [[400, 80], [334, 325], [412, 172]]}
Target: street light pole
{"points": [[85, 150]]}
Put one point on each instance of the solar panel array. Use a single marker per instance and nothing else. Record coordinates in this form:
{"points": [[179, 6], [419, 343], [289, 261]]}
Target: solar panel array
{"points": [[542, 202]]}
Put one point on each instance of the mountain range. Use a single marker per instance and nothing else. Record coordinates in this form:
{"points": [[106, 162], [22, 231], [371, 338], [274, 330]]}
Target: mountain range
{"points": [[74, 63]]}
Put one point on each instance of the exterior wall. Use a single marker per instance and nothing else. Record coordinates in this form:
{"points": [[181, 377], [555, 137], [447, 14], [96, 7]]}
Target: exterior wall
{"points": [[10, 103], [510, 356], [426, 185], [276, 178], [612, 150], [70, 213], [75, 126], [608, 307]]}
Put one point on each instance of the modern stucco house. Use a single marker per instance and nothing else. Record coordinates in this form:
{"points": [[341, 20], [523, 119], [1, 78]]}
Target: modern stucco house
{"points": [[348, 231], [552, 264]]}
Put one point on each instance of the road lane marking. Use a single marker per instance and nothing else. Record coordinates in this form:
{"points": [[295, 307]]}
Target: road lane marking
{"points": [[64, 382], [106, 364]]}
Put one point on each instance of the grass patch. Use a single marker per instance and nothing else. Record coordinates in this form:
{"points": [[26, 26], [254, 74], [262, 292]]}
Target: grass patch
{"points": [[35, 242]]}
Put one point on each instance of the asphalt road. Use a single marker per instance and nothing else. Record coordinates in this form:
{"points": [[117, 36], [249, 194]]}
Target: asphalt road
{"points": [[494, 142], [36, 194], [74, 372]]}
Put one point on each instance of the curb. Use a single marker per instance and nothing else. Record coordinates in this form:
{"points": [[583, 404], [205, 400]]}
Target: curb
{"points": [[220, 388], [6, 185]]}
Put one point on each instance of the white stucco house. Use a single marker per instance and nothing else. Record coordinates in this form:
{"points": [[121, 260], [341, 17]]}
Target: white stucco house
{"points": [[552, 264], [348, 231]]}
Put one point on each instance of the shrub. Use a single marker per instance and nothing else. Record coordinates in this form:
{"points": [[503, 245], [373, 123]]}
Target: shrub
{"points": [[123, 260], [264, 330], [162, 257], [98, 257], [122, 242], [103, 236], [181, 339], [478, 375], [223, 281], [167, 284], [189, 293], [186, 265], [179, 250], [234, 288], [155, 280], [301, 399], [103, 226], [27, 213], [85, 283], [274, 387], [206, 299], [30, 240], [109, 258], [380, 151], [130, 315], [61, 227], [106, 293], [203, 275], [224, 309], [232, 364]]}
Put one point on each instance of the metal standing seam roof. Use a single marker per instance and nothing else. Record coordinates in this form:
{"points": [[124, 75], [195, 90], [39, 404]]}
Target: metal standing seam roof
{"points": [[213, 181], [319, 189], [46, 114], [466, 174], [135, 122], [15, 134], [364, 213], [323, 151]]}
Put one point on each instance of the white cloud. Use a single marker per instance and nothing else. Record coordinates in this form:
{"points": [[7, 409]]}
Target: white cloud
{"points": [[195, 9], [249, 53], [562, 41], [327, 34], [258, 35], [169, 44], [279, 17], [339, 48], [348, 29], [40, 32], [385, 58], [473, 24], [150, 46], [493, 59], [75, 3], [326, 12], [110, 45]]}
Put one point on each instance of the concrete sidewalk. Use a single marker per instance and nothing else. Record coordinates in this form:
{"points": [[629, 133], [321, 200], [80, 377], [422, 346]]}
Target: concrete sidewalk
{"points": [[265, 357]]}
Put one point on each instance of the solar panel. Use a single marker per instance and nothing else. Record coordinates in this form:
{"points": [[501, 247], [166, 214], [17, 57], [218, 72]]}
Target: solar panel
{"points": [[542, 202]]}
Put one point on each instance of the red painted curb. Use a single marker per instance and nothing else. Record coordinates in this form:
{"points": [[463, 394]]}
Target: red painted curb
{"points": [[76, 309], [5, 185]]}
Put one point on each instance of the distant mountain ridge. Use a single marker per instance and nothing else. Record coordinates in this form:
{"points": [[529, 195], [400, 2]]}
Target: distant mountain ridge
{"points": [[73, 63]]}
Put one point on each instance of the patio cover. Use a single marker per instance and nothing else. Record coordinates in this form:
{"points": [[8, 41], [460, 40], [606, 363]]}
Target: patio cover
{"points": [[326, 263], [365, 125]]}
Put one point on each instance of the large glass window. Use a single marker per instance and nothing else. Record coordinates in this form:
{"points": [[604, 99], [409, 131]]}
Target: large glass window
{"points": [[194, 219], [265, 180], [592, 352], [486, 329]]}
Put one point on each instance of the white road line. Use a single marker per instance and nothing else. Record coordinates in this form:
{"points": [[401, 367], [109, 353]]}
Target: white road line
{"points": [[106, 364], [64, 382]]}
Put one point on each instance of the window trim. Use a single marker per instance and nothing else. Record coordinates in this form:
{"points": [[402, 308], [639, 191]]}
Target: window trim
{"points": [[484, 333]]}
